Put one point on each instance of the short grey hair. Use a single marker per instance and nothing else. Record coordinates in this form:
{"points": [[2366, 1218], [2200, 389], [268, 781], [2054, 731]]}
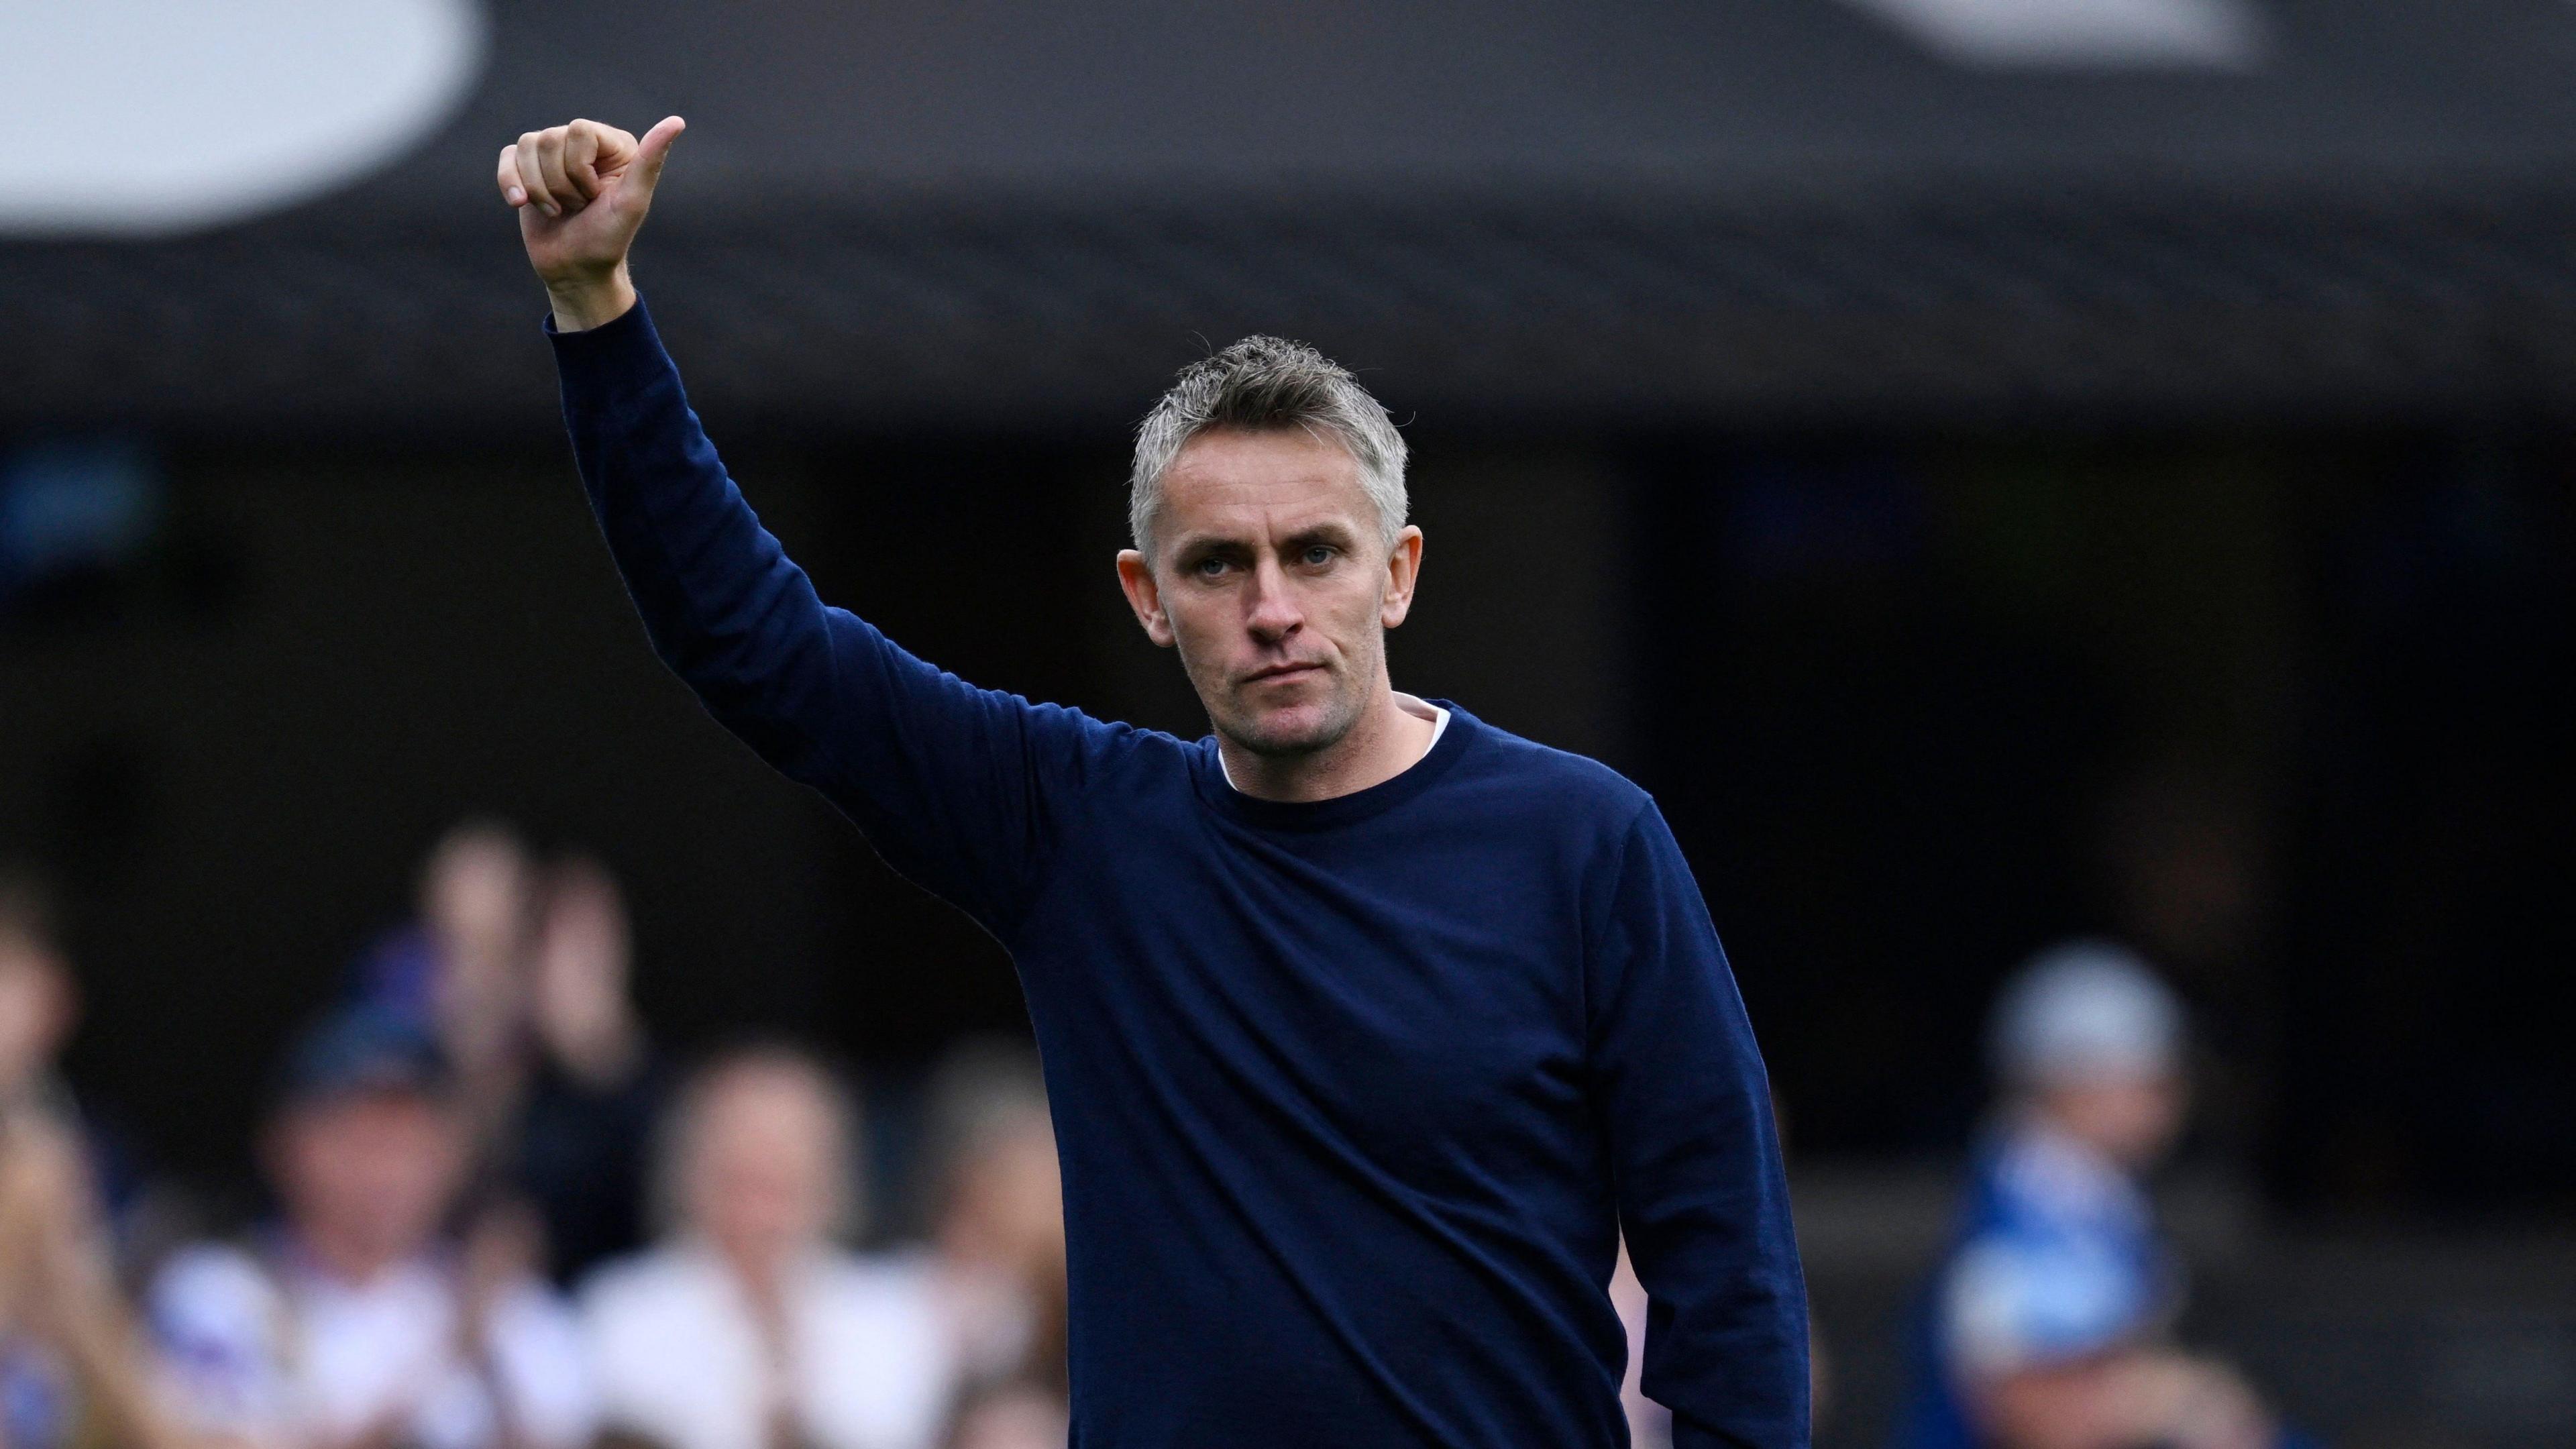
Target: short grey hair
{"points": [[1263, 384]]}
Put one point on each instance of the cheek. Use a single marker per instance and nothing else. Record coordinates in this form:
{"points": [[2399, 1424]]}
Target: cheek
{"points": [[1207, 625], [1193, 612], [1356, 609]]}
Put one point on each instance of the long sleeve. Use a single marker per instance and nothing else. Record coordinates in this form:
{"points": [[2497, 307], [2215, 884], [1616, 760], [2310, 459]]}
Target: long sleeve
{"points": [[953, 785], [1702, 1197]]}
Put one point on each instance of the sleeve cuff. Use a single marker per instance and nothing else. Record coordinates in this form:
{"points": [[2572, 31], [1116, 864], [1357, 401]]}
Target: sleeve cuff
{"points": [[622, 349], [628, 327]]}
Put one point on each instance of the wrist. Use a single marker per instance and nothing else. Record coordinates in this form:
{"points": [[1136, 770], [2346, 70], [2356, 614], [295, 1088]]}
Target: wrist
{"points": [[581, 303]]}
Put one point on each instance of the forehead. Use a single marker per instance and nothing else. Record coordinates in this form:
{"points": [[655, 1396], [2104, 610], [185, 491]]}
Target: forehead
{"points": [[766, 1101], [369, 1109], [1230, 482]]}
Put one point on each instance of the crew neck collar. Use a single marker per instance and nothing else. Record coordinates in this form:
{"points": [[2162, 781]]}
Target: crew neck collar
{"points": [[1439, 727], [1208, 771]]}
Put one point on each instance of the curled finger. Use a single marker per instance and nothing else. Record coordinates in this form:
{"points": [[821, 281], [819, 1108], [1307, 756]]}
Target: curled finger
{"points": [[508, 179], [584, 149], [550, 165], [531, 179]]}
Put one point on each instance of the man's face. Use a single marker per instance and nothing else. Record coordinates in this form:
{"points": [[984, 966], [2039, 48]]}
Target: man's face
{"points": [[369, 1173], [1271, 578], [2130, 1117], [762, 1174]]}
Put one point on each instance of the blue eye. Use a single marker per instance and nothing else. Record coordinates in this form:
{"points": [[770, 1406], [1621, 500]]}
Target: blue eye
{"points": [[1318, 555]]}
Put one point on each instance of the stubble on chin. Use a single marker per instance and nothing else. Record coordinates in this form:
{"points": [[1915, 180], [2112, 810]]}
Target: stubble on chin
{"points": [[1325, 723]]}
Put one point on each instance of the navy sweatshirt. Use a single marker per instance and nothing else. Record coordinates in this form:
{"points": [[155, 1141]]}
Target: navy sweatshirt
{"points": [[1353, 1097]]}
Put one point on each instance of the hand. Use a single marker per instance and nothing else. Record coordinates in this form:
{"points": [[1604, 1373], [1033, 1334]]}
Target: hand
{"points": [[2221, 1411], [52, 1240], [2191, 1403], [582, 1010], [504, 1247], [581, 191]]}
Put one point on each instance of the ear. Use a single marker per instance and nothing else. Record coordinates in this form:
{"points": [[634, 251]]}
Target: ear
{"points": [[1403, 567], [1136, 577]]}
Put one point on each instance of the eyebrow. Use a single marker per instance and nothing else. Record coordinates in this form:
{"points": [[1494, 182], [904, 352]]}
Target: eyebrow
{"points": [[1330, 531], [1334, 532], [1200, 544]]}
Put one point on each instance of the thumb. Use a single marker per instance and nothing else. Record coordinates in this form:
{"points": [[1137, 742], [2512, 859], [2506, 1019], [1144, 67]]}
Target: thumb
{"points": [[655, 149]]}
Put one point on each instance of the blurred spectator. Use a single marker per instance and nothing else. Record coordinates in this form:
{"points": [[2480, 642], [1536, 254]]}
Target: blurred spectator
{"points": [[2049, 1321], [748, 1328], [353, 1323], [579, 1147], [524, 977], [997, 1216], [71, 1369], [460, 971]]}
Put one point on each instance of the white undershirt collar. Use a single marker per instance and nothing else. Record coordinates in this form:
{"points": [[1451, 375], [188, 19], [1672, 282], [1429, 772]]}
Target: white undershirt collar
{"points": [[1409, 704]]}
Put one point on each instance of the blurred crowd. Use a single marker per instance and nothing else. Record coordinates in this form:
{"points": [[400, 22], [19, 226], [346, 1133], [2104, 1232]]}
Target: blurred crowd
{"points": [[2049, 1324], [500, 1218]]}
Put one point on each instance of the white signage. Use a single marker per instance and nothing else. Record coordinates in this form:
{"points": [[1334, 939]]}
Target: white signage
{"points": [[2211, 34], [144, 117]]}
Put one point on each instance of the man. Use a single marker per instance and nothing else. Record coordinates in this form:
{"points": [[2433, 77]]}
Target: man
{"points": [[2049, 1319], [355, 1325], [750, 1327], [1366, 1026]]}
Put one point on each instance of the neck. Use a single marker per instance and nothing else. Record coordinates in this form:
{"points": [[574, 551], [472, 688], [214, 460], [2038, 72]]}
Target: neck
{"points": [[349, 1257], [761, 1273], [1388, 739], [598, 1061]]}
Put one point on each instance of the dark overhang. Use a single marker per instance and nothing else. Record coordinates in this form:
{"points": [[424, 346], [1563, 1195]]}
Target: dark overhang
{"points": [[1002, 215]]}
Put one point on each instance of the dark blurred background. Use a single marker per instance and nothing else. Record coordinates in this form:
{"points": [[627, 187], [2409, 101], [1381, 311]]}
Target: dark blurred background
{"points": [[1988, 489]]}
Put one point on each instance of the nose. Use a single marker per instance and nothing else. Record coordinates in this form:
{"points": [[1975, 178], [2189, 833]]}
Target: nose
{"points": [[1272, 614]]}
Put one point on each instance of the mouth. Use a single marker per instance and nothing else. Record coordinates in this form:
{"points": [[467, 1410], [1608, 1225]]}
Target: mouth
{"points": [[1277, 672]]}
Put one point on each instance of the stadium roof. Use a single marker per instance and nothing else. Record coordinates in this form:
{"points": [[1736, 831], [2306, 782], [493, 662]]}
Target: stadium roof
{"points": [[1730, 210]]}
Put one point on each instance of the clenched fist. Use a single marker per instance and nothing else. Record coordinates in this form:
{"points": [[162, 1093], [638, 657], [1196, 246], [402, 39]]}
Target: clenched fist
{"points": [[581, 191]]}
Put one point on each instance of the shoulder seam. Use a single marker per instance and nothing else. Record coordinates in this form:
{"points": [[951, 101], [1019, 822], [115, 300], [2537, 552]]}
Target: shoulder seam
{"points": [[1596, 937]]}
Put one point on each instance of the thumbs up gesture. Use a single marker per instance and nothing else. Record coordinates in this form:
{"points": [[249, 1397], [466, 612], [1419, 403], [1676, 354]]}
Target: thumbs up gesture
{"points": [[581, 190]]}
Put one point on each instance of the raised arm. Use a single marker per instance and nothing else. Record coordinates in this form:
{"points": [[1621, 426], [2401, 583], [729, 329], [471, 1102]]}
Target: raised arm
{"points": [[957, 787], [1702, 1197]]}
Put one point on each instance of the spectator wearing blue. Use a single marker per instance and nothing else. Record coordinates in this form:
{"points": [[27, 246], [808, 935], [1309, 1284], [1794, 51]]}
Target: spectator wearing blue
{"points": [[2049, 1322], [354, 1321]]}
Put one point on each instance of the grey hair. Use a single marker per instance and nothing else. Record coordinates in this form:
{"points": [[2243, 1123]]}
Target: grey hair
{"points": [[1263, 384]]}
